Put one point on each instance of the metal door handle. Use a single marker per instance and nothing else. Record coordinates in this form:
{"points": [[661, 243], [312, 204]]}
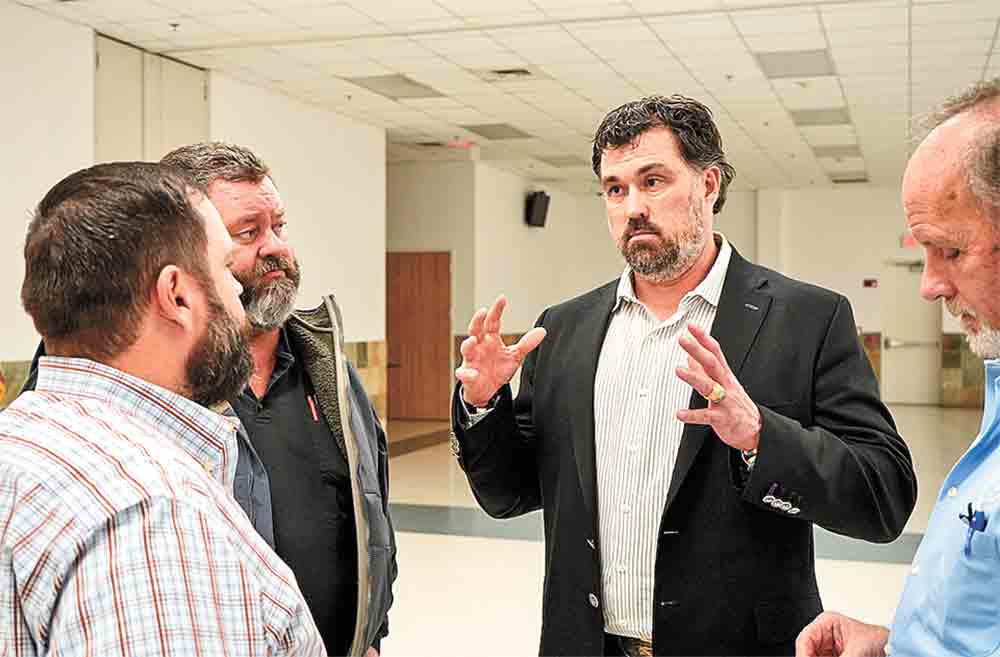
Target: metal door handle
{"points": [[392, 365], [895, 343]]}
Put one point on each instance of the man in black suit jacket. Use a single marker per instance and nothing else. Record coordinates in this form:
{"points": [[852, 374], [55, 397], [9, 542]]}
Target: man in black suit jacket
{"points": [[702, 543]]}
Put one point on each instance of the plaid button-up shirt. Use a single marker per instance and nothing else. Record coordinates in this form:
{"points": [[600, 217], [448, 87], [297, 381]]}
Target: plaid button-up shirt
{"points": [[118, 534]]}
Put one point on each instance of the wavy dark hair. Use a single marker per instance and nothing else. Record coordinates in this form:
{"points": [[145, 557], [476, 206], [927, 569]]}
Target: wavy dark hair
{"points": [[690, 121]]}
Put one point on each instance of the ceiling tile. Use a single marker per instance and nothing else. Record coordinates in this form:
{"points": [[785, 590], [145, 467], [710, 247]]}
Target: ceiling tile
{"points": [[376, 47], [955, 12], [630, 31], [332, 19], [201, 8], [610, 9], [842, 163], [505, 19], [883, 34], [446, 44], [256, 25], [470, 8], [786, 42], [698, 26], [402, 11], [810, 93], [852, 16], [982, 31], [785, 21]]}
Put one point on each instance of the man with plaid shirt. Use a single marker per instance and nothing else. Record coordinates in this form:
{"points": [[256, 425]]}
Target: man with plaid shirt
{"points": [[117, 531]]}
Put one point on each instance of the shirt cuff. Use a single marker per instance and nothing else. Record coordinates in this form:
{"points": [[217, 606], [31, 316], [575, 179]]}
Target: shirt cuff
{"points": [[470, 415]]}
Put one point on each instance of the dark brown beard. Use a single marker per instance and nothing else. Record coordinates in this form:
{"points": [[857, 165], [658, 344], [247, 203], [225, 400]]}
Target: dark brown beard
{"points": [[220, 365]]}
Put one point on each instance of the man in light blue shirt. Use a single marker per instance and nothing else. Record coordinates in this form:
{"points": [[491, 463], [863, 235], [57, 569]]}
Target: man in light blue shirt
{"points": [[951, 602]]}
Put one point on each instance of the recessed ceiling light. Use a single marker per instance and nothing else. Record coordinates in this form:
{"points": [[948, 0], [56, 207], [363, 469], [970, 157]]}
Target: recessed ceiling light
{"points": [[396, 87], [795, 64], [830, 116]]}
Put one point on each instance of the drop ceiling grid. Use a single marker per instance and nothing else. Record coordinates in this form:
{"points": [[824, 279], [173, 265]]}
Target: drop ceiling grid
{"points": [[893, 59]]}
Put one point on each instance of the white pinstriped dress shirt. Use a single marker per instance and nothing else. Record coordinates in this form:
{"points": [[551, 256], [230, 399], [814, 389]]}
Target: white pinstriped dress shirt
{"points": [[119, 534], [637, 433]]}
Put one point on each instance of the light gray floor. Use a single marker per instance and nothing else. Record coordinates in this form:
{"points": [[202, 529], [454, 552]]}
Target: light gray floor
{"points": [[471, 578]]}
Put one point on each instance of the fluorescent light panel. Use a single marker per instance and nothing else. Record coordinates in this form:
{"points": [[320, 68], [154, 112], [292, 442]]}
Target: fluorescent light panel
{"points": [[827, 116], [795, 63], [396, 86]]}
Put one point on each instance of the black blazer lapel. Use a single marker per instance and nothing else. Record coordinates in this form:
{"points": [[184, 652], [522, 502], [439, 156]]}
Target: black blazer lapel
{"points": [[589, 338], [743, 305]]}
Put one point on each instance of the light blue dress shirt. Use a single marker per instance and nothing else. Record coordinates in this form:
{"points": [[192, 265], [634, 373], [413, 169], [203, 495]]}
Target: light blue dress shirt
{"points": [[951, 602]]}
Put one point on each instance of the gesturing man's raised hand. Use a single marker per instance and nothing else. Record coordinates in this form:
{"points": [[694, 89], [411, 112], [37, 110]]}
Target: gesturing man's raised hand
{"points": [[487, 363]]}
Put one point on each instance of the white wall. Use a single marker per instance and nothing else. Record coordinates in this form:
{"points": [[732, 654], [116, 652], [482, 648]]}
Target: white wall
{"points": [[738, 222], [46, 132], [835, 237], [331, 174], [537, 267], [429, 207]]}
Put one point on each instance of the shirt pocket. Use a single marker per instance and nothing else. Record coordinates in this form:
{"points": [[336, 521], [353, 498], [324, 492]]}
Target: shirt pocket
{"points": [[970, 587]]}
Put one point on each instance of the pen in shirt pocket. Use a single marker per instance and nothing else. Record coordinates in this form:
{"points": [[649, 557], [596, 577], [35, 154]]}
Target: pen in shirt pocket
{"points": [[976, 521], [312, 407]]}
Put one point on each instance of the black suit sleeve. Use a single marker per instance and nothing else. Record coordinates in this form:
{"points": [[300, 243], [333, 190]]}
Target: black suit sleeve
{"points": [[500, 452], [848, 470]]}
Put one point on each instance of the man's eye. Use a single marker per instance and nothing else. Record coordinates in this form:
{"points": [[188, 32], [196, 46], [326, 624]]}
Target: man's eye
{"points": [[950, 254], [614, 190], [247, 234]]}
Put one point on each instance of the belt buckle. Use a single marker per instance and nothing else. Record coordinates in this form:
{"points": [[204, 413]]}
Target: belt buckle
{"points": [[637, 647]]}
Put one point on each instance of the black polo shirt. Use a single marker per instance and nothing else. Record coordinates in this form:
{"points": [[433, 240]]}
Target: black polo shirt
{"points": [[313, 511]]}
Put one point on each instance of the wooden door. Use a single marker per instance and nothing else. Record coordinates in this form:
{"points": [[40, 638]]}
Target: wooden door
{"points": [[418, 332]]}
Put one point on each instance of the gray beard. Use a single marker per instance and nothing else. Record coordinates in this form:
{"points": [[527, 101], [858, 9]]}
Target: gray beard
{"points": [[985, 343], [268, 311]]}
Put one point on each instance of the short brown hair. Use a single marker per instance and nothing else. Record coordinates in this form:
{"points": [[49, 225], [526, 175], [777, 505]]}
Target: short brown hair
{"points": [[208, 161], [96, 245]]}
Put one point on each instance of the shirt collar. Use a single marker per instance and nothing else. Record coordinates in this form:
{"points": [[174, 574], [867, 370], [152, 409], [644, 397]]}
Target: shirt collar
{"points": [[709, 289], [203, 434], [285, 356], [992, 372]]}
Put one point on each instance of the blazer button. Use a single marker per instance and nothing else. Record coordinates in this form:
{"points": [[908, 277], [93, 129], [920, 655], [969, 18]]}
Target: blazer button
{"points": [[591, 544], [594, 602], [670, 603]]}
